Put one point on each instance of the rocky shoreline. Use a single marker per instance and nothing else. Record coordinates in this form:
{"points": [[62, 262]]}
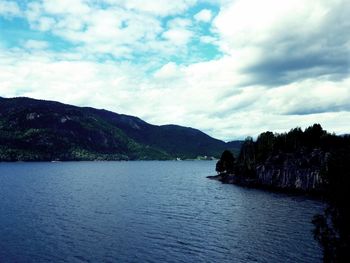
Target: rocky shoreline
{"points": [[269, 185], [299, 172]]}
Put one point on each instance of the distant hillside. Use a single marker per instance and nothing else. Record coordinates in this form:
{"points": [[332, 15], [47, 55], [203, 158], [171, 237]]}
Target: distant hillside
{"points": [[234, 146], [33, 130]]}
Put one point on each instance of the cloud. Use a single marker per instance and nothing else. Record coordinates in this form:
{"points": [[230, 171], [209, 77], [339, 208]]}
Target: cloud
{"points": [[279, 64], [203, 95], [9, 9], [314, 96], [168, 71], [208, 39], [178, 36], [40, 75], [35, 44], [125, 29], [76, 7], [204, 15], [159, 8], [286, 41]]}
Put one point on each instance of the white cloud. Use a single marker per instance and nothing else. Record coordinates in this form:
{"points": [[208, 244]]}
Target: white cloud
{"points": [[82, 82], [204, 15], [35, 44], [284, 63], [203, 95], [208, 39], [179, 32], [255, 23], [178, 37], [159, 8], [76, 7], [9, 9], [280, 42], [119, 30], [179, 23], [168, 71], [318, 95]]}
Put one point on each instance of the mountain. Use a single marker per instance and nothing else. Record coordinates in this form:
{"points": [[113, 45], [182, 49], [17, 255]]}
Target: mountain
{"points": [[34, 130], [234, 146]]}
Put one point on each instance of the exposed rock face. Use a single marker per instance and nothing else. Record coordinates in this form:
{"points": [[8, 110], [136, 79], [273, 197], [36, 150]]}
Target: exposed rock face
{"points": [[299, 171], [32, 116]]}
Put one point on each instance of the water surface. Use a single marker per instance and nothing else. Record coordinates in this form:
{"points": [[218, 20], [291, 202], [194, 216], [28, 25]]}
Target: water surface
{"points": [[146, 212]]}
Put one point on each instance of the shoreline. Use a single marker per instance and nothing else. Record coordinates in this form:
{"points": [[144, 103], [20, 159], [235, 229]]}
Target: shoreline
{"points": [[253, 184]]}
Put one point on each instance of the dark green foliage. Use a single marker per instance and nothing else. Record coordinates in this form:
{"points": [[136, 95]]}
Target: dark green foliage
{"points": [[220, 167], [264, 145], [226, 164], [333, 227], [313, 135], [296, 142], [247, 158], [33, 130]]}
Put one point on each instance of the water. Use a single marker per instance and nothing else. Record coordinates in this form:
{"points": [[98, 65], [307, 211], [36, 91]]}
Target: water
{"points": [[146, 212]]}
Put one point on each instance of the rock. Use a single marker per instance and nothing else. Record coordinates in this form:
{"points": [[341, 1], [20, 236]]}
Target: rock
{"points": [[215, 177], [298, 171], [293, 171], [32, 116]]}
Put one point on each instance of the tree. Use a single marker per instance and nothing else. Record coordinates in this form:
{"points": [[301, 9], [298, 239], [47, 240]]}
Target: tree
{"points": [[264, 145], [226, 163], [332, 228], [313, 135], [220, 167], [247, 159]]}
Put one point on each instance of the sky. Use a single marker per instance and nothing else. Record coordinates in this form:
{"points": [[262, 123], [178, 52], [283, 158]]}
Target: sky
{"points": [[231, 68]]}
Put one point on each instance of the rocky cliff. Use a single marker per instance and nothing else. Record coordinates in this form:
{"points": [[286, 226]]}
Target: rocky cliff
{"points": [[299, 171]]}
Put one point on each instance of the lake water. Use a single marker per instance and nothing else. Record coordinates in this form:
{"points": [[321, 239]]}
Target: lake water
{"points": [[146, 212]]}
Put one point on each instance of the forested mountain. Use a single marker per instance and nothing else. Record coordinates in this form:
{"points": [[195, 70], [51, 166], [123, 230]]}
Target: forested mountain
{"points": [[33, 130]]}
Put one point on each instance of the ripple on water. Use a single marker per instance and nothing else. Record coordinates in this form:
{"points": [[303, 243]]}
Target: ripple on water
{"points": [[146, 212]]}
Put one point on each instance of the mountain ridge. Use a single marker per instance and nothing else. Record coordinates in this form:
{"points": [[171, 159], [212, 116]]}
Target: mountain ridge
{"points": [[42, 130]]}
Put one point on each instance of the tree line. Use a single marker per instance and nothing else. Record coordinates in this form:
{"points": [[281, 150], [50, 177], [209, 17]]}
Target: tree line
{"points": [[332, 228]]}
